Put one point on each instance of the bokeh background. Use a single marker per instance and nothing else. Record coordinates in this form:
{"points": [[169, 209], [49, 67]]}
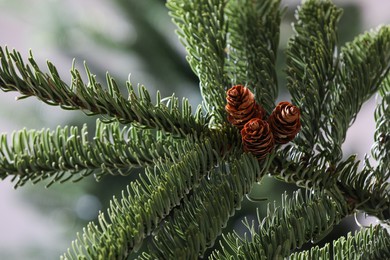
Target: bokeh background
{"points": [[128, 38]]}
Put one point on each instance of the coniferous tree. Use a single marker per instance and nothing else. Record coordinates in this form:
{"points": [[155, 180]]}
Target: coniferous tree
{"points": [[199, 166]]}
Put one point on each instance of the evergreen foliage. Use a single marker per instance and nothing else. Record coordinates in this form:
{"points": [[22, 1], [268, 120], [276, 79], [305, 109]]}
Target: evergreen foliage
{"points": [[253, 44], [368, 243], [286, 228], [196, 173]]}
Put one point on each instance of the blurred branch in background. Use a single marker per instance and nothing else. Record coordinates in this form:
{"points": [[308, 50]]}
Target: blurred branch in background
{"points": [[144, 36]]}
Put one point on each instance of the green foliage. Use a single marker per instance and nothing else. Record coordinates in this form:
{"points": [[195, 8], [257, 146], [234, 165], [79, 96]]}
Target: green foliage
{"points": [[382, 144], [147, 202], [364, 64], [253, 43], [286, 228], [368, 243], [93, 98], [113, 150], [203, 31], [199, 221], [311, 66], [196, 173]]}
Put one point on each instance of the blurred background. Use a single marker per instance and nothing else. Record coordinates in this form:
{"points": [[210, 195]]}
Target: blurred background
{"points": [[122, 37]]}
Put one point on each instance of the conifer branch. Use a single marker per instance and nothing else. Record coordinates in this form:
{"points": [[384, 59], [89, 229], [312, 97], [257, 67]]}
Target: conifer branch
{"points": [[202, 30], [196, 173], [253, 43], [314, 253], [199, 221], [312, 65], [361, 189], [147, 202], [285, 228], [381, 147], [364, 64], [366, 192], [67, 153], [368, 243], [91, 97]]}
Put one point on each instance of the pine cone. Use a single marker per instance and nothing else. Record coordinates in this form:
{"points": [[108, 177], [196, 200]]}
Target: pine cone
{"points": [[257, 138], [241, 106], [284, 122]]}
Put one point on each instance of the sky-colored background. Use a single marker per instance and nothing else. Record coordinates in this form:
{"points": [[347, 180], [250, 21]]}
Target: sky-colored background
{"points": [[25, 231]]}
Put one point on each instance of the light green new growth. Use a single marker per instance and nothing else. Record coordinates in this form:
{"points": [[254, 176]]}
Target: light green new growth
{"points": [[196, 173]]}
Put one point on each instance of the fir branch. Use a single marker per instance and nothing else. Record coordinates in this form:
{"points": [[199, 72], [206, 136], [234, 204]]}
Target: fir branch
{"points": [[253, 43], [314, 253], [29, 80], [202, 30], [284, 229], [194, 183], [200, 219], [381, 147], [368, 243], [361, 189], [364, 64], [366, 192], [315, 171], [147, 202], [67, 153], [311, 66]]}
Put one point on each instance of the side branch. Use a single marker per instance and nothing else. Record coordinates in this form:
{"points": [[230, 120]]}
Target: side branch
{"points": [[202, 30], [253, 43], [147, 202], [361, 190], [285, 228], [200, 219], [92, 97], [368, 243], [66, 153]]}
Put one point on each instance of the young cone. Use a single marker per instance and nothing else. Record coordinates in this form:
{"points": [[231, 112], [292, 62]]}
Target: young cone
{"points": [[241, 106], [284, 122], [257, 138]]}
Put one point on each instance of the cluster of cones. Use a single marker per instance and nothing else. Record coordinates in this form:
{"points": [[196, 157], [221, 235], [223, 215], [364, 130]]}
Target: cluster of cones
{"points": [[259, 133]]}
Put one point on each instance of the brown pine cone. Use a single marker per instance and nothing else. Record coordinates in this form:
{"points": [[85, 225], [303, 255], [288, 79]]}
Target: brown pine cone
{"points": [[241, 106], [284, 122], [257, 138]]}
